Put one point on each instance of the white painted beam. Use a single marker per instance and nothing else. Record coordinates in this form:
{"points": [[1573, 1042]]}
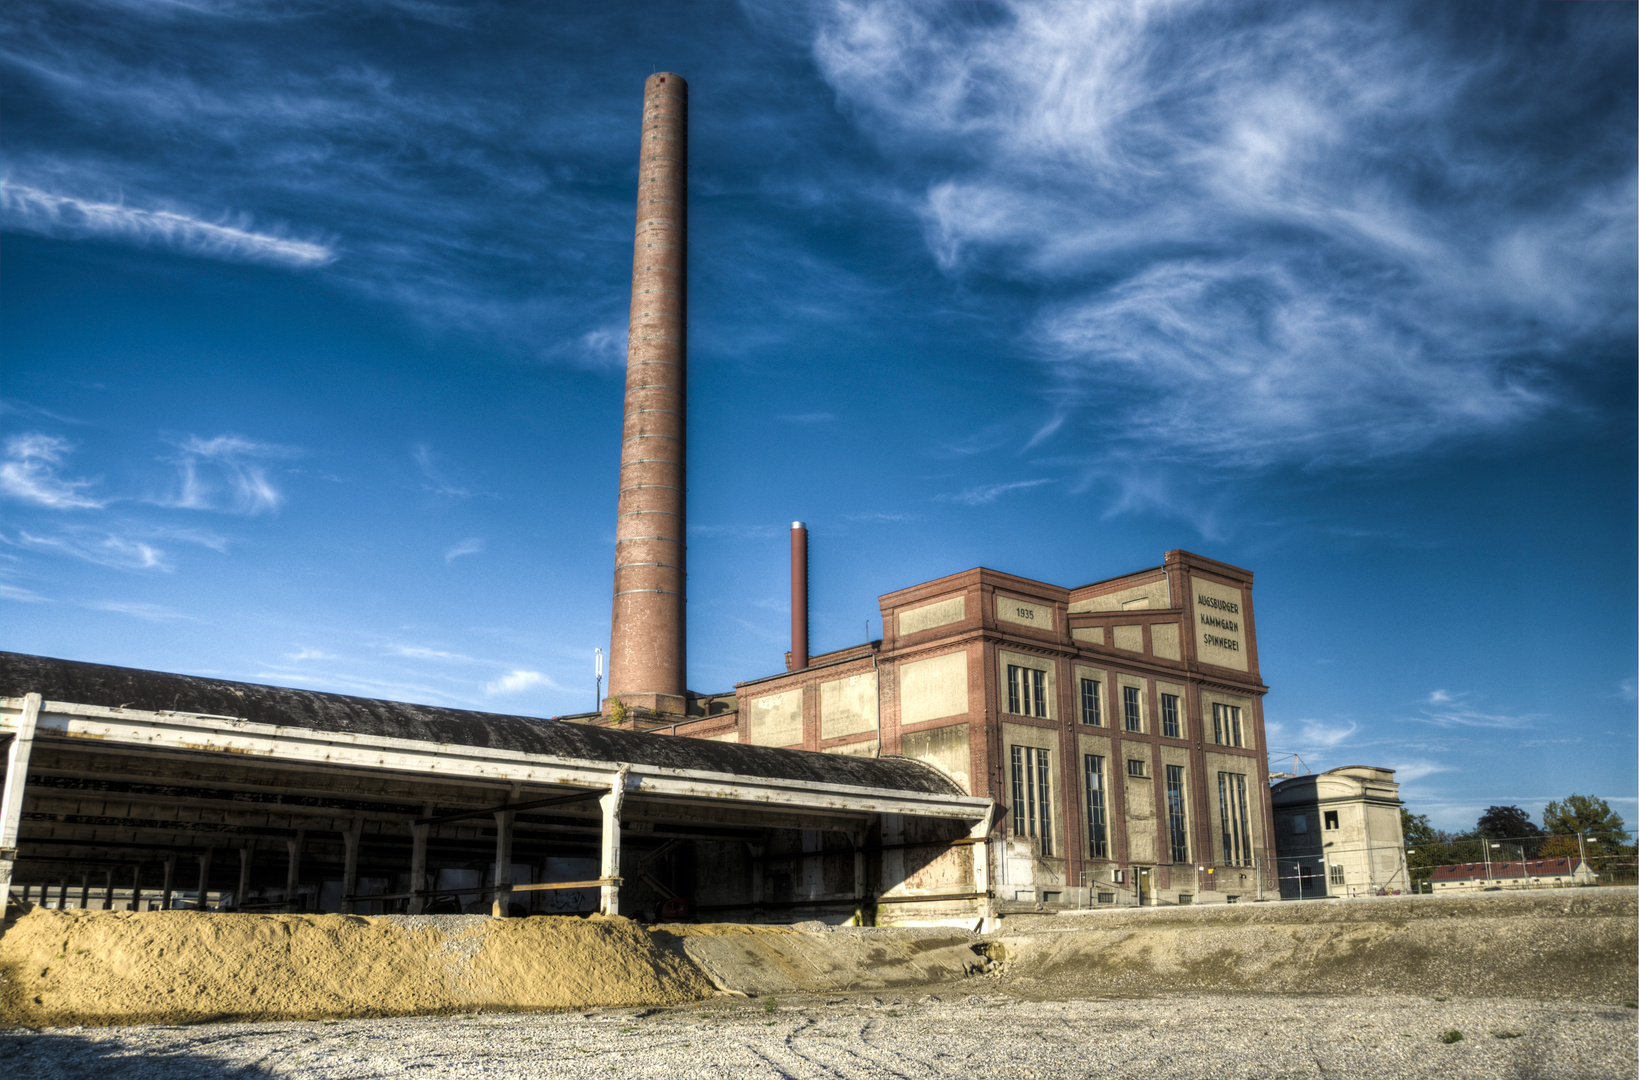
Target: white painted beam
{"points": [[191, 733]]}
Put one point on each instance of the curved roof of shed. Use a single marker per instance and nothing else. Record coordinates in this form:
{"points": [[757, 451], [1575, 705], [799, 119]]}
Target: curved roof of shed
{"points": [[157, 691]]}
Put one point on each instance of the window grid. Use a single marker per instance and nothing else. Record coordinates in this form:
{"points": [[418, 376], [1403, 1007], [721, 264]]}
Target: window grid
{"points": [[1169, 716], [1131, 707], [1032, 802], [1226, 724], [1337, 874], [1135, 767], [1091, 708], [1098, 833], [1177, 829], [1232, 815], [1026, 691]]}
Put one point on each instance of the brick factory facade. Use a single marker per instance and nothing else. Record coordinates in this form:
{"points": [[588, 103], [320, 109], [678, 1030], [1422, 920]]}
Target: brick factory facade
{"points": [[1119, 724]]}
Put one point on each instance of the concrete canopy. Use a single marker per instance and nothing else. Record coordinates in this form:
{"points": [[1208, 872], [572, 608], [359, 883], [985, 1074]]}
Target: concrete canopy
{"points": [[124, 764]]}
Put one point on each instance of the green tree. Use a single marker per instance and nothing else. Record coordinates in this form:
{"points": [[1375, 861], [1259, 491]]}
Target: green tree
{"points": [[1426, 847], [1602, 828], [1511, 824]]}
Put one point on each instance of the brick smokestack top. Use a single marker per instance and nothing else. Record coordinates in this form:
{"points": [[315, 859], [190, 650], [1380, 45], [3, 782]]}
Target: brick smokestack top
{"points": [[646, 652]]}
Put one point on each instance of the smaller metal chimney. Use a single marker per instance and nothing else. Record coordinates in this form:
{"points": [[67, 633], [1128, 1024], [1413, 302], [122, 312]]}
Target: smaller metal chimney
{"points": [[799, 596]]}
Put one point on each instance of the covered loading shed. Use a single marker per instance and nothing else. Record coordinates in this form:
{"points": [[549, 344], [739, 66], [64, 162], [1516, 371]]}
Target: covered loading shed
{"points": [[142, 784]]}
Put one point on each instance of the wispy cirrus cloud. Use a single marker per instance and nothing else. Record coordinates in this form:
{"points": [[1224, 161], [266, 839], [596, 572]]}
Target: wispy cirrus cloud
{"points": [[1268, 235], [97, 546], [32, 209], [437, 479], [228, 473], [140, 610], [32, 472], [1459, 709], [985, 494], [471, 546]]}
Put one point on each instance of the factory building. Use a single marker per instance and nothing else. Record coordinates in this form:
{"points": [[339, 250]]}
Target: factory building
{"points": [[1119, 724]]}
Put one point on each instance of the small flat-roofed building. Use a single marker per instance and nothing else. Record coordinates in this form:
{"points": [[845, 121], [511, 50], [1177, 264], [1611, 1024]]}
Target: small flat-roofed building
{"points": [[1119, 724], [1529, 874], [1337, 833]]}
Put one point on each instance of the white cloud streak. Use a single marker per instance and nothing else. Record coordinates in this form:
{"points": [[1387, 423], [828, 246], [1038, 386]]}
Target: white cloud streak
{"points": [[100, 548], [32, 209], [989, 493], [471, 546], [31, 472], [229, 474], [1256, 238], [516, 681]]}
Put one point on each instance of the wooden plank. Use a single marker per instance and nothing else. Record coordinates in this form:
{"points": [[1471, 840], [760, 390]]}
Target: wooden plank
{"points": [[550, 885]]}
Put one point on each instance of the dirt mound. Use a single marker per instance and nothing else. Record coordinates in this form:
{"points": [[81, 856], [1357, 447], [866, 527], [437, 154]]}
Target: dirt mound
{"points": [[1565, 946], [71, 967]]}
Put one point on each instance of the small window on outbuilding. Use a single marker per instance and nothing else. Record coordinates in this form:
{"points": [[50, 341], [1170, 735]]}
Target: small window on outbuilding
{"points": [[1331, 819], [1337, 874]]}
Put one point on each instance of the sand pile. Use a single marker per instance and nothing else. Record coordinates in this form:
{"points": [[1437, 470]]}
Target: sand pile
{"points": [[96, 967]]}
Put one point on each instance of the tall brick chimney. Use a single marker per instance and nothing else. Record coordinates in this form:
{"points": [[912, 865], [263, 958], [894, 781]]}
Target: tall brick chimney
{"points": [[647, 648]]}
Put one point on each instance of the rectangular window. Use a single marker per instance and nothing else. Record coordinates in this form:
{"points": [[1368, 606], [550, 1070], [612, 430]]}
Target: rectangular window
{"points": [[1130, 705], [1177, 829], [1331, 819], [1026, 691], [1032, 801], [1098, 833], [1169, 716], [1092, 709], [1226, 725], [1337, 874], [1232, 816], [1135, 767]]}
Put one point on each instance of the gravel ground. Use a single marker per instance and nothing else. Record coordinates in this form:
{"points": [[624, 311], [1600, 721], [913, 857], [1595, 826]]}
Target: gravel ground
{"points": [[1172, 1036]]}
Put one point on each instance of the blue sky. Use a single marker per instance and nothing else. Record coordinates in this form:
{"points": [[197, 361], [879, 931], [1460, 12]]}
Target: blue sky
{"points": [[314, 325]]}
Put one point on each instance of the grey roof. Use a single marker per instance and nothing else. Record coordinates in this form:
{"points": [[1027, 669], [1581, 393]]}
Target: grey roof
{"points": [[157, 691]]}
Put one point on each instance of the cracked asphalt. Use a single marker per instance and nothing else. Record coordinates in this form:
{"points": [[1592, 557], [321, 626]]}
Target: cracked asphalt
{"points": [[1181, 1036]]}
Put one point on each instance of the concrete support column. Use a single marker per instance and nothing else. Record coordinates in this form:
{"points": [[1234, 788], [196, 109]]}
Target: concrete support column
{"points": [[205, 858], [62, 895], [136, 887], [756, 851], [350, 866], [11, 796], [503, 864], [418, 867], [293, 867], [981, 868], [241, 892], [857, 838], [85, 891], [169, 885], [108, 891], [813, 865], [610, 863], [893, 862]]}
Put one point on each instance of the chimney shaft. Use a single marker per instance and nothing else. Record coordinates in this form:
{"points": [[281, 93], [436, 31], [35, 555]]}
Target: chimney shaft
{"points": [[799, 596], [647, 647]]}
